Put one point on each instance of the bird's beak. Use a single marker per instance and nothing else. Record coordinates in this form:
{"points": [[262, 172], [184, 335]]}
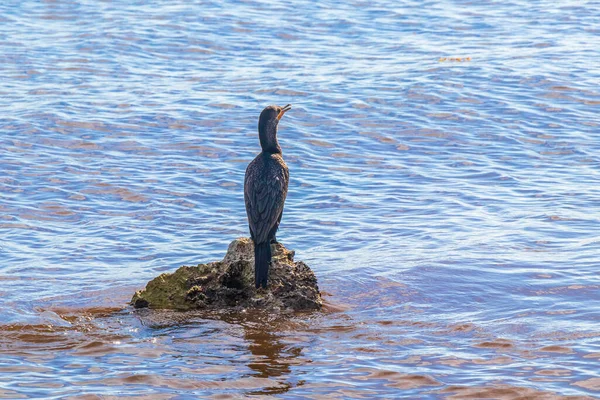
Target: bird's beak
{"points": [[283, 111]]}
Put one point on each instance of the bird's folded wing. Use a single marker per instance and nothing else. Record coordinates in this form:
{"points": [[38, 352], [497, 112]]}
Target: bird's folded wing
{"points": [[265, 197]]}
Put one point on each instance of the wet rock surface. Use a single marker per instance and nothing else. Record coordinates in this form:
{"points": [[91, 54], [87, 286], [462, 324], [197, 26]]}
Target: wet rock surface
{"points": [[230, 284]]}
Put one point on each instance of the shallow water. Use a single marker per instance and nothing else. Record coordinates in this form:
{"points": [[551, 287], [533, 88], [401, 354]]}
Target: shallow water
{"points": [[444, 188]]}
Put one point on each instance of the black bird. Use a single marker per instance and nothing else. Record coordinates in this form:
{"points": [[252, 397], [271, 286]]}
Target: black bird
{"points": [[265, 189]]}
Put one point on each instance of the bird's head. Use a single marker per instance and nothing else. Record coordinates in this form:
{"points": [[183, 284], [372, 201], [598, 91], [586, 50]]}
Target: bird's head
{"points": [[267, 127]]}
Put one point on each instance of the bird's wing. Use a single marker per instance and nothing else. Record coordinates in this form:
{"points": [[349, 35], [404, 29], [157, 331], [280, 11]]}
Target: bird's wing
{"points": [[264, 196]]}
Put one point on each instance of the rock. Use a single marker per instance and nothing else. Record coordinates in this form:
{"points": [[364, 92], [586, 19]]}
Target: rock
{"points": [[230, 284]]}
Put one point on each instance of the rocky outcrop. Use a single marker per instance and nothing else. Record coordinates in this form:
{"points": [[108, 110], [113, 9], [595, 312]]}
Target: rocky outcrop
{"points": [[230, 284]]}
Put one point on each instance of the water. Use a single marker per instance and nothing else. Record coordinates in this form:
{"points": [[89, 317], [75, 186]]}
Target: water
{"points": [[449, 208]]}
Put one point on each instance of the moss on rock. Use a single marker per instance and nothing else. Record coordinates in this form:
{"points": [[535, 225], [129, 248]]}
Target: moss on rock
{"points": [[230, 284]]}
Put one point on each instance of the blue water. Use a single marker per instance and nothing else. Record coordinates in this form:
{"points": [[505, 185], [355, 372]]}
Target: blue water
{"points": [[444, 188]]}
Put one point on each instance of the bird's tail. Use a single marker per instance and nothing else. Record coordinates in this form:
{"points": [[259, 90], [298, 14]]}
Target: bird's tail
{"points": [[262, 260]]}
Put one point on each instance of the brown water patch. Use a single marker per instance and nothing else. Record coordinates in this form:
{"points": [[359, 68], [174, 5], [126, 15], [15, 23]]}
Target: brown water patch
{"points": [[48, 385], [221, 397], [169, 192], [561, 312], [248, 383], [556, 152], [369, 350], [592, 355], [553, 372], [98, 126], [411, 360], [39, 215], [123, 193], [19, 226], [79, 333], [336, 392], [23, 368], [320, 143], [563, 88], [226, 106], [557, 349], [408, 323], [131, 146], [452, 361], [396, 379], [467, 327], [71, 314], [502, 392], [443, 115], [70, 144], [559, 218], [56, 209], [179, 126], [532, 141], [197, 50], [212, 370], [496, 344], [331, 307], [228, 184], [11, 394], [562, 289], [287, 92], [154, 396], [502, 360], [42, 333], [468, 100], [360, 105], [343, 155], [590, 384], [352, 393], [335, 328], [95, 348], [345, 169], [409, 342]]}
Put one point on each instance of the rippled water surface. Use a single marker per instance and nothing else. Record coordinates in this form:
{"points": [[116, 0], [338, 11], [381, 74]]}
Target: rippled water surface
{"points": [[444, 188]]}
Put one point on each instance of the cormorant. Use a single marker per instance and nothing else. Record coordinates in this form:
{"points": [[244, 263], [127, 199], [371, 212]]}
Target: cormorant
{"points": [[265, 189]]}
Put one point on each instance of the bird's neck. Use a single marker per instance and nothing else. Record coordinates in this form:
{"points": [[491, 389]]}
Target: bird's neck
{"points": [[269, 143], [272, 150]]}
